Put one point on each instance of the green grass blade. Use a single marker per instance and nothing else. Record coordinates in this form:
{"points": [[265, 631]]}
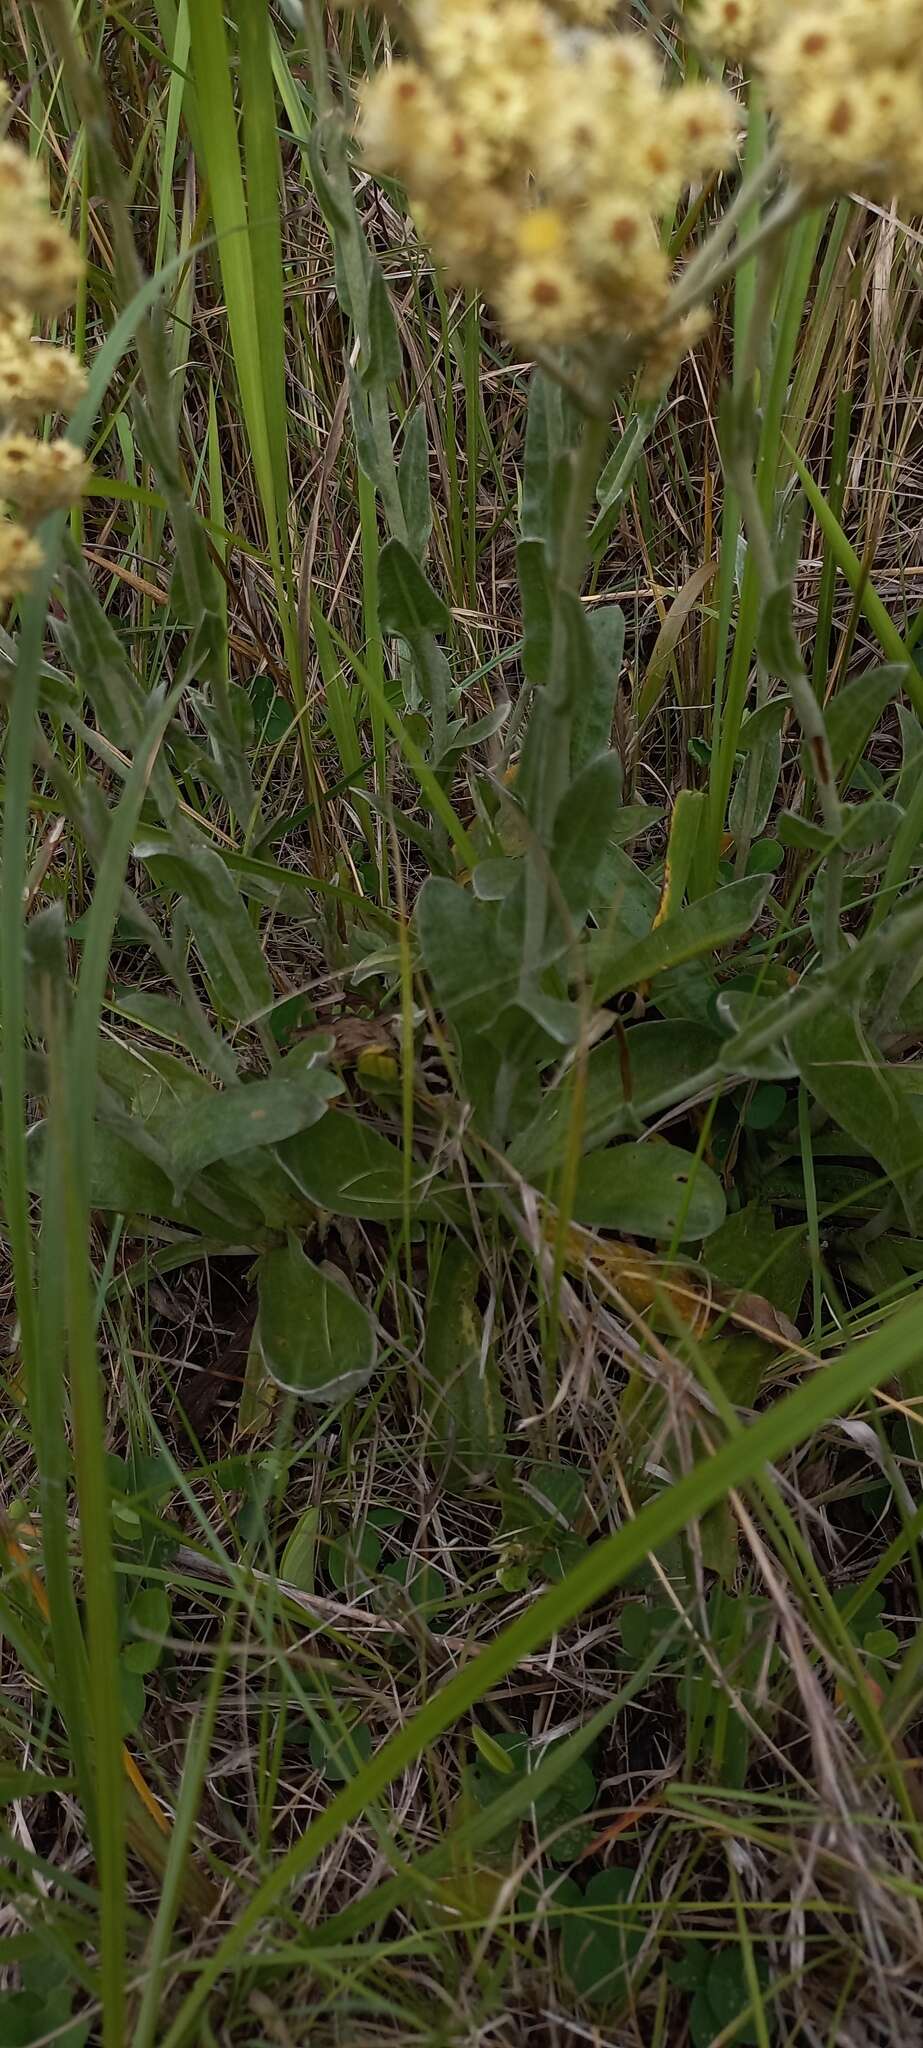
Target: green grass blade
{"points": [[891, 642], [832, 1391]]}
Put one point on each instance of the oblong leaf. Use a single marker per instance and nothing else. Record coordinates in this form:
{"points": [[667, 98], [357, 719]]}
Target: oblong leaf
{"points": [[244, 1119], [649, 1061], [871, 1100], [228, 944], [702, 927], [352, 1169], [649, 1191], [407, 603]]}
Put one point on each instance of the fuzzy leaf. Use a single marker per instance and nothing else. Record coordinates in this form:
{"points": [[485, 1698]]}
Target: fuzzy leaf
{"points": [[649, 1191], [407, 603], [316, 1338]]}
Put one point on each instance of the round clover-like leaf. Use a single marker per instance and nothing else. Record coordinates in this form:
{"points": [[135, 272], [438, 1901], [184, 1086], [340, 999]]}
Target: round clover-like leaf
{"points": [[602, 1938]]}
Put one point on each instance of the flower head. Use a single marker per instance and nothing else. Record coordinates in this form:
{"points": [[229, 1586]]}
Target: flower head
{"points": [[39, 271], [844, 79], [541, 149]]}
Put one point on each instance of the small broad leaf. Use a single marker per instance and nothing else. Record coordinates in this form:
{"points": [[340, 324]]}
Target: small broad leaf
{"points": [[340, 1750], [649, 1191], [414, 484], [228, 944], [703, 927], [728, 1995], [316, 1339], [148, 1623], [424, 1587], [352, 1560], [246, 1118], [407, 603], [602, 1937], [557, 1493]]}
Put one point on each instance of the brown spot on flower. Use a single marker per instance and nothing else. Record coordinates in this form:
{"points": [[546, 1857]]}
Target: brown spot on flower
{"points": [[546, 292], [814, 44], [623, 230], [841, 118]]}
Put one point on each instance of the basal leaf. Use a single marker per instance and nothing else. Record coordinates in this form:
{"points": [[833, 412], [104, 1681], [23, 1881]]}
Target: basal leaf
{"points": [[623, 1075], [228, 944], [461, 1388], [865, 1096], [316, 1339], [352, 1169], [473, 975], [649, 1190], [704, 927], [246, 1118]]}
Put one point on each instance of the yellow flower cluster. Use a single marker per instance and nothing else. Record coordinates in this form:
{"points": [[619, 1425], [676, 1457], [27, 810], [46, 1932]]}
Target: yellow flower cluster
{"points": [[540, 154], [845, 81], [39, 272]]}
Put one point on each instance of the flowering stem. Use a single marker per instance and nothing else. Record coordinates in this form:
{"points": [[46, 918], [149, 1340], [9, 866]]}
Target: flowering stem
{"points": [[149, 334], [696, 285], [808, 712], [706, 259], [547, 764]]}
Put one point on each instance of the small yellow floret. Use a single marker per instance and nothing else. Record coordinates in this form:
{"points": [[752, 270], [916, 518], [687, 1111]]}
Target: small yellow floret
{"points": [[542, 232]]}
